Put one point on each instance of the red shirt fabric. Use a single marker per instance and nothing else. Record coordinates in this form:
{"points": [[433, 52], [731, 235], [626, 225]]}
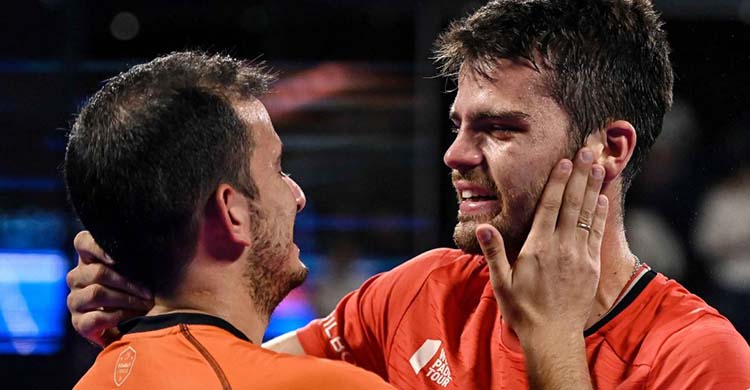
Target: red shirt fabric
{"points": [[196, 351], [433, 323]]}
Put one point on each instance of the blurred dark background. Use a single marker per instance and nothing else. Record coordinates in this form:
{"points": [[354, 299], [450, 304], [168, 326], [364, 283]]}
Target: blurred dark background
{"points": [[364, 126]]}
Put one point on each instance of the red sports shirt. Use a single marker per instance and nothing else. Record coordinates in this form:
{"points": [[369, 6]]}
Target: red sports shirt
{"points": [[189, 351], [433, 323]]}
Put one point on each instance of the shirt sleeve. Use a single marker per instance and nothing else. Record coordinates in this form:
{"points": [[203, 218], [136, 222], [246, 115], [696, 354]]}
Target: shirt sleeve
{"points": [[710, 356], [359, 329]]}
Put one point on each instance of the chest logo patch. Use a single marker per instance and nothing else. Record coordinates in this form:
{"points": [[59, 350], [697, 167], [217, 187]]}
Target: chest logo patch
{"points": [[439, 372], [124, 365]]}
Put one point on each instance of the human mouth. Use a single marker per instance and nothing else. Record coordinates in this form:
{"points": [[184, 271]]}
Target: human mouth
{"points": [[475, 199]]}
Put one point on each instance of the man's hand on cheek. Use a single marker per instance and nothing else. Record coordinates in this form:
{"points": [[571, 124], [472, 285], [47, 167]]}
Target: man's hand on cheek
{"points": [[546, 296]]}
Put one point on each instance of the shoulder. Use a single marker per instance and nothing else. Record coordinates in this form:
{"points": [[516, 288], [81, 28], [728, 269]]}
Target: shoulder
{"points": [[706, 353], [667, 308], [441, 268], [440, 259], [444, 265], [664, 305], [153, 359], [278, 370], [688, 339]]}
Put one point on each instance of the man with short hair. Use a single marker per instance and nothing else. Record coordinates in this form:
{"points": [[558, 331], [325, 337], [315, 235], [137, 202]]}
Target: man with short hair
{"points": [[175, 168], [570, 93]]}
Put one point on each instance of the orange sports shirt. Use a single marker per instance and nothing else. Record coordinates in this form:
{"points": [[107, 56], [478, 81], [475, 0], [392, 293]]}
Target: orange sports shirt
{"points": [[433, 323], [197, 351]]}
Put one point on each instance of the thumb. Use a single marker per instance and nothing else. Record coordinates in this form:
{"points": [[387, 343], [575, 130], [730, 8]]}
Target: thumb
{"points": [[89, 251], [494, 251]]}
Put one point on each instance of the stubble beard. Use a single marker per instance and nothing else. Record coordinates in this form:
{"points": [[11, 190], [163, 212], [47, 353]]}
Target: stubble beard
{"points": [[513, 221], [517, 208], [268, 273]]}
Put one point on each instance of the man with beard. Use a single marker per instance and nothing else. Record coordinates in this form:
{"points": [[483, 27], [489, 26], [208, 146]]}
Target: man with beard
{"points": [[175, 168], [570, 93]]}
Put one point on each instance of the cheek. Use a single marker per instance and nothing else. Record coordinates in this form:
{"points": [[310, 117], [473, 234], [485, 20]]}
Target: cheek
{"points": [[510, 167], [520, 177]]}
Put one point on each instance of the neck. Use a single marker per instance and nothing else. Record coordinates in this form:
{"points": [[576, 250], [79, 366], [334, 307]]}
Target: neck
{"points": [[214, 292], [617, 262]]}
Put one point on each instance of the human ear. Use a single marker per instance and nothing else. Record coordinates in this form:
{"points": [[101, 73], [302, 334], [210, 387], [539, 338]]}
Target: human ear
{"points": [[615, 142], [231, 215]]}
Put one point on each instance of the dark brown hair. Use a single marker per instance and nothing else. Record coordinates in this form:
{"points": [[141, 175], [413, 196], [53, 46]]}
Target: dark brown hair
{"points": [[602, 60], [148, 150]]}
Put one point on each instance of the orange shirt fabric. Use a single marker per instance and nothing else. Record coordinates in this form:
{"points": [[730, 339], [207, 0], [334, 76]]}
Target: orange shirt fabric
{"points": [[433, 323], [197, 351]]}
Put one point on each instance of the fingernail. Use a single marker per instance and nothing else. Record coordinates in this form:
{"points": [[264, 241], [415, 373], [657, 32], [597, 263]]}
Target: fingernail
{"points": [[566, 166], [587, 156], [108, 259], [602, 201], [484, 236], [597, 172]]}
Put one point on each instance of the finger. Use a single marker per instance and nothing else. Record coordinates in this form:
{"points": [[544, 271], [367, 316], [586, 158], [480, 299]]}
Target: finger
{"points": [[100, 326], [96, 296], [574, 194], [545, 218], [588, 208], [111, 335], [85, 275], [494, 252], [597, 228], [88, 250]]}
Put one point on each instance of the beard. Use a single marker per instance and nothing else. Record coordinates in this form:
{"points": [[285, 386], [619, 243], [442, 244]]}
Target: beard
{"points": [[517, 206], [269, 274], [513, 219]]}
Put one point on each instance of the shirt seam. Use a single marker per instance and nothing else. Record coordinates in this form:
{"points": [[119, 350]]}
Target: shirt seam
{"points": [[406, 310], [185, 331]]}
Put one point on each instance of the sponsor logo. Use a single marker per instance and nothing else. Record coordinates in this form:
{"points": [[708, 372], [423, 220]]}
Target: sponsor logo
{"points": [[334, 340], [124, 365], [439, 372]]}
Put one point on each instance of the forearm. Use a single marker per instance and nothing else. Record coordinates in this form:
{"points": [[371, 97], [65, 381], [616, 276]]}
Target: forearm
{"points": [[286, 343], [556, 361]]}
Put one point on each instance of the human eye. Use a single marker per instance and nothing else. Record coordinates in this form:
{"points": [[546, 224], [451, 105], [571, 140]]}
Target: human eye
{"points": [[502, 130], [504, 127], [454, 128]]}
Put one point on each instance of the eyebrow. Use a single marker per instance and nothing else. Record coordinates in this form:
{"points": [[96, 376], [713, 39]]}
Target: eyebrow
{"points": [[508, 115]]}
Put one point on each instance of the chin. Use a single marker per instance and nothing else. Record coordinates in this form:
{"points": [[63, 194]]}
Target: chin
{"points": [[464, 234], [465, 237], [272, 272], [294, 262], [297, 270], [298, 276], [514, 235]]}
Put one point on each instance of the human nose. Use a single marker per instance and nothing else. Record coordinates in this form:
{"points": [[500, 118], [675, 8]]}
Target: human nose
{"points": [[299, 195], [464, 153]]}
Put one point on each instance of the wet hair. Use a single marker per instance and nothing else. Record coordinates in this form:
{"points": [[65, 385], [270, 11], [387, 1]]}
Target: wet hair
{"points": [[601, 60], [149, 149]]}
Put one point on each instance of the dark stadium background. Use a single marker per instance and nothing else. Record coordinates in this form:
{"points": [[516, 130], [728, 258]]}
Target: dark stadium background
{"points": [[364, 126]]}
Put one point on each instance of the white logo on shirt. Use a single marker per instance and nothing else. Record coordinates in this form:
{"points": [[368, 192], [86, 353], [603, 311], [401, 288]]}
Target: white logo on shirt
{"points": [[124, 365], [439, 372], [334, 340]]}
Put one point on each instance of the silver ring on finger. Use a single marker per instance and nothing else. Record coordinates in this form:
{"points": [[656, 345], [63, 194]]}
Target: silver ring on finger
{"points": [[584, 226]]}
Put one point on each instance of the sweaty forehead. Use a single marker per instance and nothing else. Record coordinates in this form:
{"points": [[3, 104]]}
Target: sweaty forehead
{"points": [[253, 113]]}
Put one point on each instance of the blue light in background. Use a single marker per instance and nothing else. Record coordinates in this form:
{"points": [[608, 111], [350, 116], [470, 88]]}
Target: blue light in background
{"points": [[32, 301], [294, 312]]}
